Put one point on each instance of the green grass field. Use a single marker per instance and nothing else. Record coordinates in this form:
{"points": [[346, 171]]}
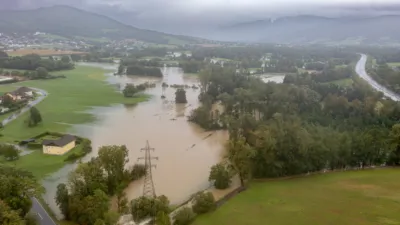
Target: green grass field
{"points": [[40, 164], [83, 88], [397, 64], [367, 197], [343, 82]]}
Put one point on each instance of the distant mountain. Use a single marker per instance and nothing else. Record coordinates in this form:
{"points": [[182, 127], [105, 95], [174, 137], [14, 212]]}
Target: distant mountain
{"points": [[315, 29], [71, 22]]}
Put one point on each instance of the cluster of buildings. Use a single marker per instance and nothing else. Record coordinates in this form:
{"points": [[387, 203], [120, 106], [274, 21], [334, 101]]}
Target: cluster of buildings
{"points": [[20, 94], [37, 40]]}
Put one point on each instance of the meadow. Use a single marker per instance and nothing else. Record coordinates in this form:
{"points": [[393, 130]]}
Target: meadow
{"points": [[364, 197]]}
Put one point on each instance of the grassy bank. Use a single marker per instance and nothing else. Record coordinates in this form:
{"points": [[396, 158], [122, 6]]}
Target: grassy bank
{"points": [[347, 82], [83, 88], [356, 197]]}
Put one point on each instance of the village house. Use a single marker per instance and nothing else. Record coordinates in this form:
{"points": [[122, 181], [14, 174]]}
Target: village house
{"points": [[60, 146], [20, 93]]}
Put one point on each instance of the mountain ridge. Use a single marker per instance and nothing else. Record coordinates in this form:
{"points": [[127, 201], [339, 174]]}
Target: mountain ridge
{"points": [[311, 29], [68, 21]]}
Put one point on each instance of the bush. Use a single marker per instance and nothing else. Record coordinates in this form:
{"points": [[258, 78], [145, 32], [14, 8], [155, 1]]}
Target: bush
{"points": [[203, 203], [86, 146], [184, 216], [10, 152], [34, 145], [74, 156], [220, 175]]}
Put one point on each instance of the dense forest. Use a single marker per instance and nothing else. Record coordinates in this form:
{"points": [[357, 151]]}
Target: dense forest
{"points": [[302, 125]]}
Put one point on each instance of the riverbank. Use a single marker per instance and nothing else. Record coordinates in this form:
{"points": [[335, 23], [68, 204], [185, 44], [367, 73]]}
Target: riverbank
{"points": [[66, 104], [361, 197]]}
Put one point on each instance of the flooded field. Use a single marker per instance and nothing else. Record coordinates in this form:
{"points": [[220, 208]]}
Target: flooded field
{"points": [[185, 151]]}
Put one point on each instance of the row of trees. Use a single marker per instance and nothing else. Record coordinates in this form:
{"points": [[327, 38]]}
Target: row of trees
{"points": [[34, 61], [130, 89], [85, 197]]}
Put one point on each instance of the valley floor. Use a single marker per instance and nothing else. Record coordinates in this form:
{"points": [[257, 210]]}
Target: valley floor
{"points": [[364, 197]]}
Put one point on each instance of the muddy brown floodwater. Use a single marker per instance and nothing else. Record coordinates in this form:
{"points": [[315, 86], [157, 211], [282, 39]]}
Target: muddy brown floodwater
{"points": [[185, 151]]}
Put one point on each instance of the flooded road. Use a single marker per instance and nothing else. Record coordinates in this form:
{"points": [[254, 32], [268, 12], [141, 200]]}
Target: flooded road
{"points": [[185, 151]]}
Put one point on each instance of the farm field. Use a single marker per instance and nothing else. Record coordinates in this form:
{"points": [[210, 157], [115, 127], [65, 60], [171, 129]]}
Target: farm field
{"points": [[397, 64], [364, 197]]}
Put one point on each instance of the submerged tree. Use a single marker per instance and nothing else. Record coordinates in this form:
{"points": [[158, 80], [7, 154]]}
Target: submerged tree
{"points": [[180, 96], [130, 90]]}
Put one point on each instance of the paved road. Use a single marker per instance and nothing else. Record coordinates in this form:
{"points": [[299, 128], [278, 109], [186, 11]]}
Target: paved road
{"points": [[42, 216], [360, 70], [27, 107]]}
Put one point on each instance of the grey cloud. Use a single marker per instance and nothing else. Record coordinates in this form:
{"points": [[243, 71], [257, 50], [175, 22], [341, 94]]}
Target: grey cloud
{"points": [[196, 16]]}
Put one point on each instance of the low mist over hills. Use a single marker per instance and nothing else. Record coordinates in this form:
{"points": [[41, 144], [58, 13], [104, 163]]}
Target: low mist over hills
{"points": [[71, 22], [315, 29]]}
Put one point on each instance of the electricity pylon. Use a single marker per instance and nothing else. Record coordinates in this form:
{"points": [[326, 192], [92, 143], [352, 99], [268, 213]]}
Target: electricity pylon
{"points": [[148, 186]]}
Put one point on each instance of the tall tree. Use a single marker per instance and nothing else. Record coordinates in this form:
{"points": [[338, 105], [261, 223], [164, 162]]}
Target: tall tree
{"points": [[35, 117], [113, 159], [239, 155], [62, 199]]}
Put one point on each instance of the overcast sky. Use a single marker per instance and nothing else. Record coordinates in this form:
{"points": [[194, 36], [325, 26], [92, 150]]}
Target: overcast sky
{"points": [[195, 14]]}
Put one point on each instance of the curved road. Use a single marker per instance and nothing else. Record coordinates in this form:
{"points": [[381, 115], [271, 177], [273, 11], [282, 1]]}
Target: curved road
{"points": [[360, 70], [37, 208], [27, 107]]}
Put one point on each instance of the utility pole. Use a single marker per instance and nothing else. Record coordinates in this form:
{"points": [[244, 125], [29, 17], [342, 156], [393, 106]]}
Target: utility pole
{"points": [[148, 186]]}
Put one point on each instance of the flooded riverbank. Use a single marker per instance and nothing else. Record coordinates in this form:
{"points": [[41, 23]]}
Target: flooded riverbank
{"points": [[185, 151]]}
